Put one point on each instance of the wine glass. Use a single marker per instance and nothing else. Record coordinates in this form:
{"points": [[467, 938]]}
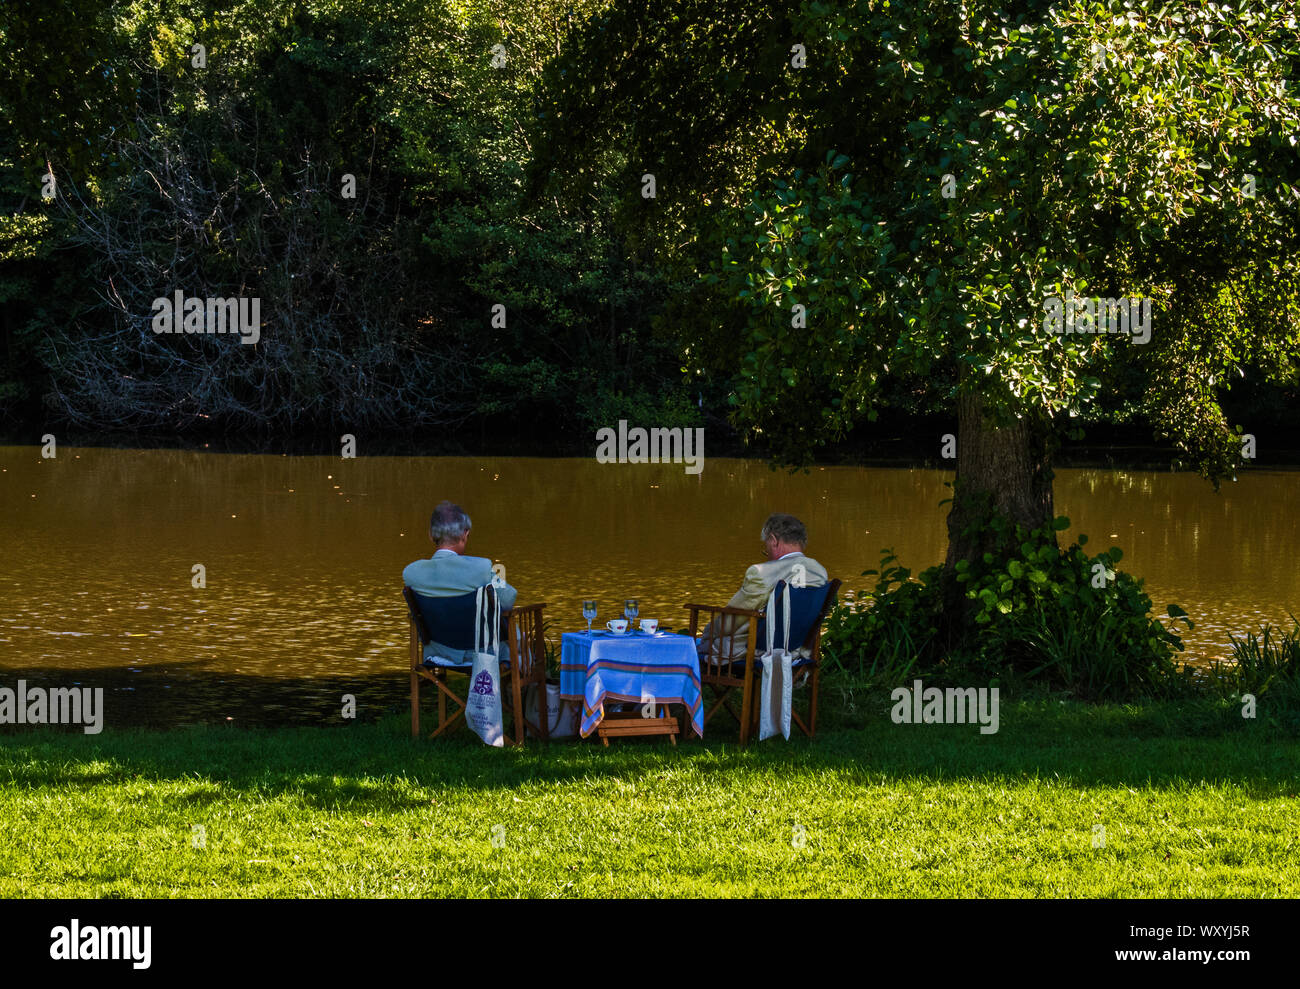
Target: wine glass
{"points": [[589, 613], [630, 608]]}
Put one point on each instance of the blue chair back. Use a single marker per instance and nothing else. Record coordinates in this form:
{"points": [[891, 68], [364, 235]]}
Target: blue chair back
{"points": [[449, 620], [806, 605]]}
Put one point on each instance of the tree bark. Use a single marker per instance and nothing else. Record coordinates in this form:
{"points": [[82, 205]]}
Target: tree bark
{"points": [[1003, 468], [1006, 469]]}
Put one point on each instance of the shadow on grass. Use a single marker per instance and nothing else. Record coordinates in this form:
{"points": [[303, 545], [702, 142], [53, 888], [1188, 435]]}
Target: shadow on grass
{"points": [[363, 767], [183, 694]]}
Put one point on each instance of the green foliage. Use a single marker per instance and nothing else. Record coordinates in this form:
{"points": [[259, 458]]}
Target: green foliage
{"points": [[887, 637], [1091, 150], [1033, 614], [61, 77], [225, 180], [1065, 617], [1266, 665], [34, 291]]}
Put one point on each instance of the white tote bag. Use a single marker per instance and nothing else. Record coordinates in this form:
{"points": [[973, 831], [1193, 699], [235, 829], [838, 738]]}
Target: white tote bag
{"points": [[563, 717], [483, 705], [775, 693]]}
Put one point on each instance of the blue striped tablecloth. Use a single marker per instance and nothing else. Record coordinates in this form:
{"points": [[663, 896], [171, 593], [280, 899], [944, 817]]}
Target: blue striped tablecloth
{"points": [[630, 667]]}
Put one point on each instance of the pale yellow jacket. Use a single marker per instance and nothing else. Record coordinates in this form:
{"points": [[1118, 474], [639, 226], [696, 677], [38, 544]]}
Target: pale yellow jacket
{"points": [[754, 591]]}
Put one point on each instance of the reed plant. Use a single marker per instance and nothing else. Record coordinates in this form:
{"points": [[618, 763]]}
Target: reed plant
{"points": [[1263, 664]]}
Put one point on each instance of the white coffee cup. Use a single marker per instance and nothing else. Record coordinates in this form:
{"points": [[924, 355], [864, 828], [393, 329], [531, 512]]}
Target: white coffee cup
{"points": [[618, 626], [650, 625]]}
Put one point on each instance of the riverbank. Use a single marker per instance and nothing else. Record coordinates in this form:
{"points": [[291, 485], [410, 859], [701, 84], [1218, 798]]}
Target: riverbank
{"points": [[1177, 800], [894, 440]]}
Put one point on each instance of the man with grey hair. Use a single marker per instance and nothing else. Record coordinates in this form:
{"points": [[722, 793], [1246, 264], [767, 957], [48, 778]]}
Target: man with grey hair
{"points": [[450, 572], [784, 538]]}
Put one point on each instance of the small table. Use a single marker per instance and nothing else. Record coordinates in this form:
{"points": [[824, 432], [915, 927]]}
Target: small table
{"points": [[661, 669]]}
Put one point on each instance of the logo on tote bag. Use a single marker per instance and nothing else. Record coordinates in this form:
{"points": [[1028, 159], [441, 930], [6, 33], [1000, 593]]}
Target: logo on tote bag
{"points": [[483, 683]]}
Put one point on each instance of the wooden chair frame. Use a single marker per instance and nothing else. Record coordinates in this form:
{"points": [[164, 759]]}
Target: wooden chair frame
{"points": [[715, 669], [523, 631], [715, 666]]}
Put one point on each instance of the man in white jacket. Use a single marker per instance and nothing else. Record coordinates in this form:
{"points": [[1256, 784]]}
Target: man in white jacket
{"points": [[784, 538]]}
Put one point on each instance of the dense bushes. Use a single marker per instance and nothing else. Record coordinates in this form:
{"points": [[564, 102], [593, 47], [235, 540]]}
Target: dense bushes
{"points": [[1062, 619], [226, 179], [1040, 617]]}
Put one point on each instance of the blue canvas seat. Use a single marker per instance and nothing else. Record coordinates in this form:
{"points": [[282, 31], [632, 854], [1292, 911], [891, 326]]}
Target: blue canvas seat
{"points": [[452, 622], [807, 606]]}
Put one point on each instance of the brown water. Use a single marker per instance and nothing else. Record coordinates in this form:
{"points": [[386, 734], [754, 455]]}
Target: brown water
{"points": [[304, 554]]}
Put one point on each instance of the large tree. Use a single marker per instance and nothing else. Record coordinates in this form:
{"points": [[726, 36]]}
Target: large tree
{"points": [[924, 177]]}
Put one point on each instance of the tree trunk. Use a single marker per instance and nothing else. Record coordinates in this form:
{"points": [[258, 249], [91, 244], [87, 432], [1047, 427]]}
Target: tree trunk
{"points": [[1006, 469]]}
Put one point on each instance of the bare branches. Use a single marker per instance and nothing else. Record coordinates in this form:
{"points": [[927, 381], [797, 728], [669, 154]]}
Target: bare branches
{"points": [[339, 342]]}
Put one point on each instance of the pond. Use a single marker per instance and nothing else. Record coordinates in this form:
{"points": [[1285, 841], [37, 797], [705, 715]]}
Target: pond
{"points": [[303, 557]]}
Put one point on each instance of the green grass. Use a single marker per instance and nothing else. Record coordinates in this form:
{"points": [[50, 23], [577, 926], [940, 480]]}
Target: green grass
{"points": [[1193, 802]]}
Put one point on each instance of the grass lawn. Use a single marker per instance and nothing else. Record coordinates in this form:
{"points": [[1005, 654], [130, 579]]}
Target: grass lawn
{"points": [[1193, 804]]}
